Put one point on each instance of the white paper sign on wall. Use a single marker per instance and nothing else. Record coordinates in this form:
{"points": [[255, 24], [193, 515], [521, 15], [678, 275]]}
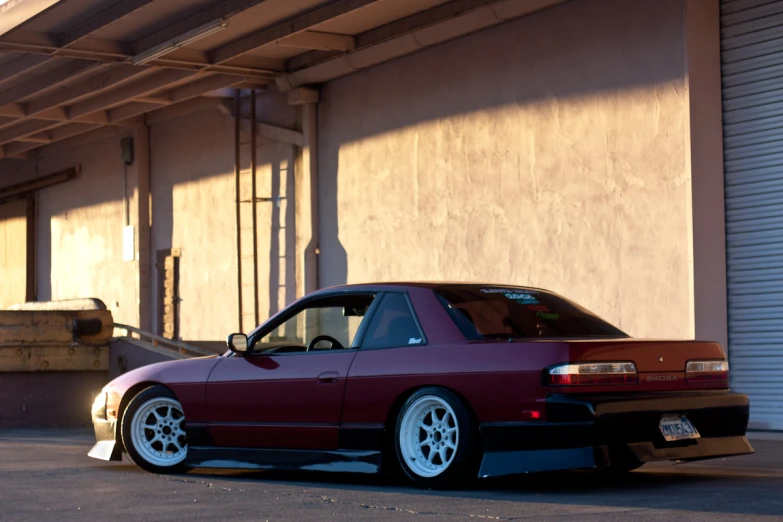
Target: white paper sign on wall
{"points": [[129, 243]]}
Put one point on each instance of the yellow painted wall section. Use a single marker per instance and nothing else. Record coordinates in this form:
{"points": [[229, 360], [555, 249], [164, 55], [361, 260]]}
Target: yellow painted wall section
{"points": [[549, 151]]}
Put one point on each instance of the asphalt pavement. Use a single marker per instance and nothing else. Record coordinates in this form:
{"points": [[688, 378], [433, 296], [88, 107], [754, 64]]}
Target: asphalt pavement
{"points": [[46, 475]]}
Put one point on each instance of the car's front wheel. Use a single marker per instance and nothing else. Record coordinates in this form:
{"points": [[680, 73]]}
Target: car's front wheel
{"points": [[436, 440], [153, 431]]}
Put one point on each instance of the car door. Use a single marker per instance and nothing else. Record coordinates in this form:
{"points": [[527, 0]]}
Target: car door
{"points": [[288, 393]]}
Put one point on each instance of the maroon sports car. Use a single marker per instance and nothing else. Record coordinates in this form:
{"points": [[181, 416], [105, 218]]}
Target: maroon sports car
{"points": [[447, 382]]}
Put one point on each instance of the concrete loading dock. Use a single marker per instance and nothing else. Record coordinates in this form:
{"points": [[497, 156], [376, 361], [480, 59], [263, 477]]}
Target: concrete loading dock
{"points": [[575, 145]]}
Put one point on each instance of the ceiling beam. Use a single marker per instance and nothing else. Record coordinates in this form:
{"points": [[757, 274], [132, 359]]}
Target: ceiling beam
{"points": [[204, 86], [418, 31], [14, 111], [151, 83], [48, 80], [55, 135], [224, 9], [21, 65], [319, 41], [176, 95], [40, 139], [116, 77], [101, 20], [290, 27], [109, 51]]}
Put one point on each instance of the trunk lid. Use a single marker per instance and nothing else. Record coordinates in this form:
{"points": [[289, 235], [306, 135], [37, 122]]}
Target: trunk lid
{"points": [[649, 356]]}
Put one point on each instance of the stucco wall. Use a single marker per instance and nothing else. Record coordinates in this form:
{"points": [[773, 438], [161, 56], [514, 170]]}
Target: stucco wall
{"points": [[80, 227], [548, 151], [193, 194]]}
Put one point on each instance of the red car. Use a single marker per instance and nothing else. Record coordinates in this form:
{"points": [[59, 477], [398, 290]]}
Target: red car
{"points": [[448, 382]]}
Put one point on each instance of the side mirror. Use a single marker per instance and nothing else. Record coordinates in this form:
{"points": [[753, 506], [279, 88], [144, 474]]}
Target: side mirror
{"points": [[237, 343]]}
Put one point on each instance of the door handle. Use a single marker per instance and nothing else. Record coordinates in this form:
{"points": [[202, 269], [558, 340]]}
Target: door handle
{"points": [[328, 377]]}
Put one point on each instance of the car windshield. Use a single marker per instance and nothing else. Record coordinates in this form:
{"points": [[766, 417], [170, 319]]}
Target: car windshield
{"points": [[513, 313]]}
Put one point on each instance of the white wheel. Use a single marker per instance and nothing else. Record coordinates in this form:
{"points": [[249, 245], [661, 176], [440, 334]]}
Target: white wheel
{"points": [[429, 436], [157, 432]]}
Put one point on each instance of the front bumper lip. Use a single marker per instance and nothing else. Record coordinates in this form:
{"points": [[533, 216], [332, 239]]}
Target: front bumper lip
{"points": [[106, 446], [584, 432]]}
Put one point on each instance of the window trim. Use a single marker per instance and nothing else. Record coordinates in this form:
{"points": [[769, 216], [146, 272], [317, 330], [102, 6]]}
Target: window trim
{"points": [[297, 308], [414, 315]]}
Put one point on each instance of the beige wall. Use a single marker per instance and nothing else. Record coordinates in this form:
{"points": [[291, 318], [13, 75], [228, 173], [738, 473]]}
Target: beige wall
{"points": [[193, 194], [80, 226], [549, 151]]}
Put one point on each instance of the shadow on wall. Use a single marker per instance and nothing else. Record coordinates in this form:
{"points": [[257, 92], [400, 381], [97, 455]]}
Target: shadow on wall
{"points": [[577, 49], [574, 50]]}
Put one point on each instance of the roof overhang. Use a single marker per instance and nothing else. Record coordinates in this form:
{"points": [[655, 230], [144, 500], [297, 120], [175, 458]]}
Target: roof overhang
{"points": [[70, 67]]}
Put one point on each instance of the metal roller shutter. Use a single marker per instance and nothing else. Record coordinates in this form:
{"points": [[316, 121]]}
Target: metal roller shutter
{"points": [[752, 69]]}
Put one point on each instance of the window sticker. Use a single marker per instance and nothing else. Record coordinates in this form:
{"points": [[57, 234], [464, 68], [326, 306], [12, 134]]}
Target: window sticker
{"points": [[537, 308], [414, 340], [523, 298], [504, 291], [547, 316]]}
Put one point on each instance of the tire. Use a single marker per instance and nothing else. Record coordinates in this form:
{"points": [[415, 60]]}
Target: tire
{"points": [[436, 440], [153, 431]]}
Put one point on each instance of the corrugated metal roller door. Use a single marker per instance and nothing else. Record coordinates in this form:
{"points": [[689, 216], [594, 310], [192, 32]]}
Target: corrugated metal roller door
{"points": [[752, 68]]}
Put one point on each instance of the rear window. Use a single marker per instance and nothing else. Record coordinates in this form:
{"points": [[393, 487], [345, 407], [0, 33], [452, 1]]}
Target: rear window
{"points": [[514, 313]]}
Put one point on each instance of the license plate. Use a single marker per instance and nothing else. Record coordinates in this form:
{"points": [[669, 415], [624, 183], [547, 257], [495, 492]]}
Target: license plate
{"points": [[677, 427]]}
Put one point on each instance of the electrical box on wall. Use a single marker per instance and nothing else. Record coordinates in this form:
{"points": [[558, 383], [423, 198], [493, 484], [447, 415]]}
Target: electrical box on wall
{"points": [[129, 243], [126, 145]]}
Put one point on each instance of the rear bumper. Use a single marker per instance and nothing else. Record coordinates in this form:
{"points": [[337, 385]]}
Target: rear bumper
{"points": [[591, 431]]}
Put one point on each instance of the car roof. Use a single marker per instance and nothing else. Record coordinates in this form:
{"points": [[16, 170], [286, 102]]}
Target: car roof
{"points": [[432, 285]]}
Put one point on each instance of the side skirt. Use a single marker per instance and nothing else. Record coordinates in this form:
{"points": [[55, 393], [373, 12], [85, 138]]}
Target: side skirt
{"points": [[344, 461]]}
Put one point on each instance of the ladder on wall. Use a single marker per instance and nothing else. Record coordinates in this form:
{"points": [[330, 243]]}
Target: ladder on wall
{"points": [[246, 217]]}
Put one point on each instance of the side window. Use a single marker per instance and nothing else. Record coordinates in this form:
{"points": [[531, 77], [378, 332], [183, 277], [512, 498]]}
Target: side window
{"points": [[393, 325], [337, 317]]}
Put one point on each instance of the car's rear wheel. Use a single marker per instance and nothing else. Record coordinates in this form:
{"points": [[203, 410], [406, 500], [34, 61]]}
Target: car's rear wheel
{"points": [[436, 440], [153, 431]]}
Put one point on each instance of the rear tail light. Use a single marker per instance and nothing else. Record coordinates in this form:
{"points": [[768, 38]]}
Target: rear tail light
{"points": [[576, 374], [707, 371]]}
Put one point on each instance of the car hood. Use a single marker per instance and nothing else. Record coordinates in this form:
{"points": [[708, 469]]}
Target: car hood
{"points": [[194, 370]]}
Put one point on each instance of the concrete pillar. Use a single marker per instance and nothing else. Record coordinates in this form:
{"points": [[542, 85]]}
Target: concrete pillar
{"points": [[143, 212], [709, 302], [306, 192]]}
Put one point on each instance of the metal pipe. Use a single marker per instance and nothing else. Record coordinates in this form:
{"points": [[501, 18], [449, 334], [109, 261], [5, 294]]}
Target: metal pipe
{"points": [[253, 133], [237, 171]]}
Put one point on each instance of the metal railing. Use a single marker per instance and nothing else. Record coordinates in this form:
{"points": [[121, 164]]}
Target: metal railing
{"points": [[161, 342]]}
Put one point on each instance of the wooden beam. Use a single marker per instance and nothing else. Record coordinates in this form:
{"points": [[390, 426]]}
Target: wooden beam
{"points": [[206, 85], [102, 19], [42, 138], [224, 9], [15, 110], [153, 82], [39, 83], [21, 65], [116, 77], [56, 134], [287, 28], [319, 41]]}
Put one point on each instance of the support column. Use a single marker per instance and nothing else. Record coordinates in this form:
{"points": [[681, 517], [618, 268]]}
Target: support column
{"points": [[306, 193], [710, 316], [141, 139]]}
